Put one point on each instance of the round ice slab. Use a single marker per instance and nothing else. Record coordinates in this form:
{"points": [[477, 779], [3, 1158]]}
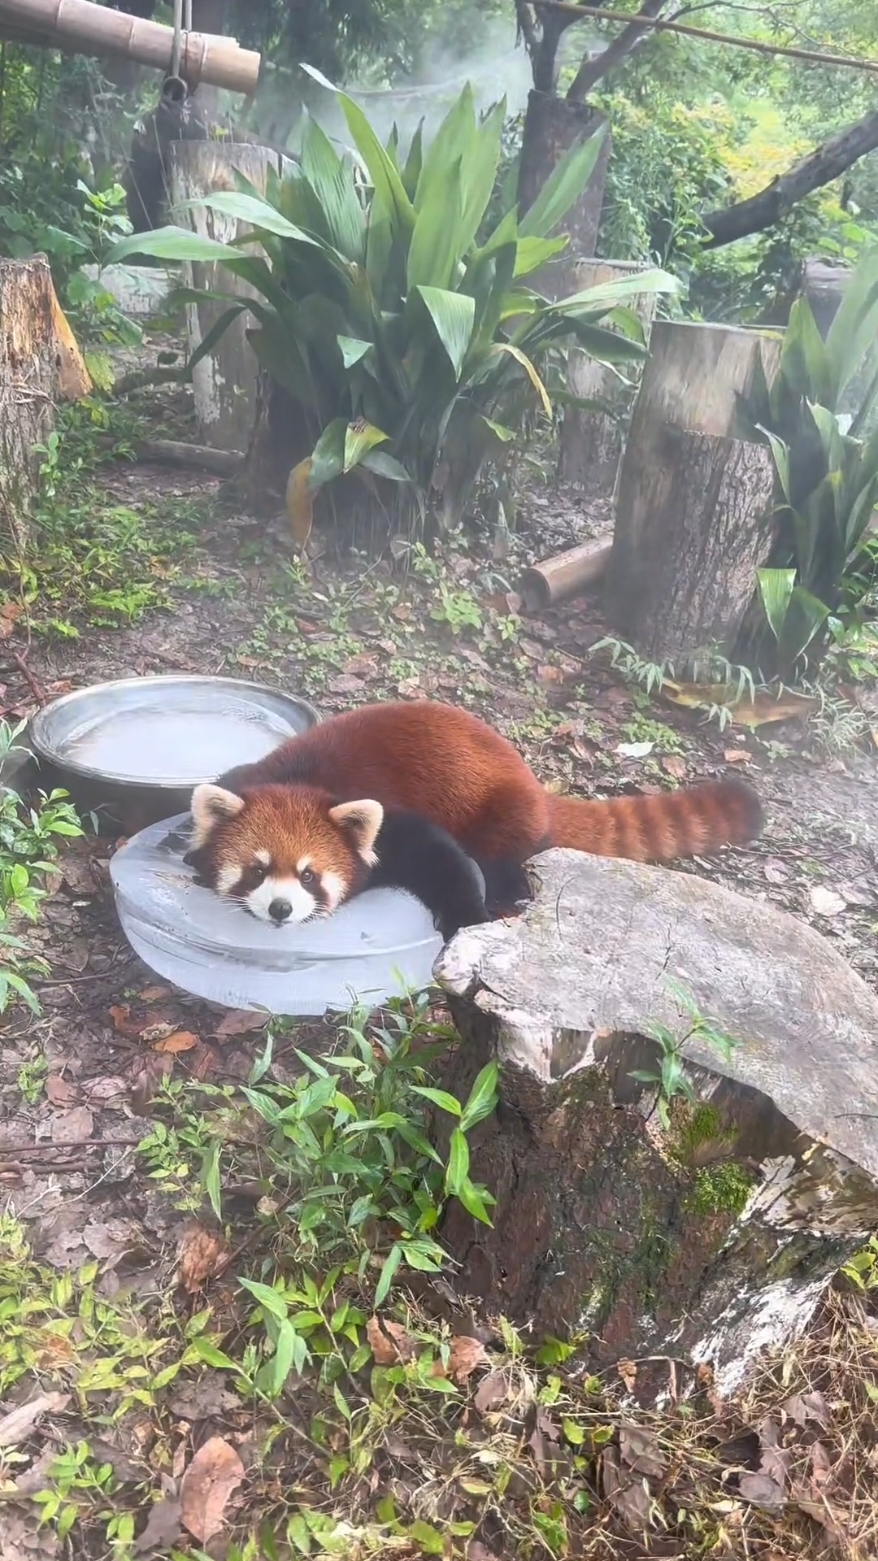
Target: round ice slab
{"points": [[380, 945]]}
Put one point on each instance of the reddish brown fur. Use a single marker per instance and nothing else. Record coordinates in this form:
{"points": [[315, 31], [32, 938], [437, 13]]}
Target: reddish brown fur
{"points": [[291, 824], [446, 763]]}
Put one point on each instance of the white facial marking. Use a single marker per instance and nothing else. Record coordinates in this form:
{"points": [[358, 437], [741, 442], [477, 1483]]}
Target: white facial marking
{"points": [[263, 858], [227, 878], [301, 865], [334, 888], [303, 904]]}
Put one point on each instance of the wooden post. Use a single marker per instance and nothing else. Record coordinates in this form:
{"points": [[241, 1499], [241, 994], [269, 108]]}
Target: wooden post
{"points": [[694, 500], [711, 1239], [592, 441], [225, 382], [39, 363]]}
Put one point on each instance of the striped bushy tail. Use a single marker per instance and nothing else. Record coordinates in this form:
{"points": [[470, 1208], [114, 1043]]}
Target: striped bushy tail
{"points": [[691, 822]]}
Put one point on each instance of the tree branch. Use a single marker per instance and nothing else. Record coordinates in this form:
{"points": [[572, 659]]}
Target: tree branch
{"points": [[592, 70], [819, 168]]}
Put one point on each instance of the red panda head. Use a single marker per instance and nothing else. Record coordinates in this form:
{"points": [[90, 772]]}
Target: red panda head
{"points": [[286, 852]]}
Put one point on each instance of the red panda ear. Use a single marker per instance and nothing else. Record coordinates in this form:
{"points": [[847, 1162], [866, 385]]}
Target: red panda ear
{"points": [[211, 805], [363, 821]]}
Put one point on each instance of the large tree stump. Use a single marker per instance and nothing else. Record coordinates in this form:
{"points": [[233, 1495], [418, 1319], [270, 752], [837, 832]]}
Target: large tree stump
{"points": [[224, 383], [694, 501], [591, 439], [39, 364], [712, 1239]]}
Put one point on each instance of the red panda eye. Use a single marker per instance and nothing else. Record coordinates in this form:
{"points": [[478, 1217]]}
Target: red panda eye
{"points": [[307, 877], [258, 872]]}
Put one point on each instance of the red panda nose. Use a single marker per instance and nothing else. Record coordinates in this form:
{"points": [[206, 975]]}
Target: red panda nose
{"points": [[280, 910]]}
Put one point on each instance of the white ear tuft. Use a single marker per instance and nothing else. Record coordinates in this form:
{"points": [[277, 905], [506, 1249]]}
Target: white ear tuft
{"points": [[211, 805], [363, 820]]}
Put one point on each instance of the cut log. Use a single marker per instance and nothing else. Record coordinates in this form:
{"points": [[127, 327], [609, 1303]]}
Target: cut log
{"points": [[703, 1241], [39, 364], [592, 440], [694, 515], [566, 574], [224, 383]]}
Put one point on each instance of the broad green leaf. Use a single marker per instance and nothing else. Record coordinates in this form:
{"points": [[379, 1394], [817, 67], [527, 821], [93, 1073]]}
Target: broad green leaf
{"points": [[453, 315], [775, 591], [530, 253], [333, 183], [435, 242], [359, 439], [414, 162], [805, 616], [385, 1278], [216, 333], [384, 465], [440, 1098], [172, 243], [270, 1300], [563, 187], [352, 350], [449, 149], [382, 170], [258, 213], [327, 457], [604, 296]]}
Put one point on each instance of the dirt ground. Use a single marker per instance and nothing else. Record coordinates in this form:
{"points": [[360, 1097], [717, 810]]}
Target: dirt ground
{"points": [[77, 1081]]}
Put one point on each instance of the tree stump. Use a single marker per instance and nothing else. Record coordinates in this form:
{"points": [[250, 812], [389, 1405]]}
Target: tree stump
{"points": [[39, 364], [224, 383], [592, 440], [694, 500], [551, 127], [712, 1238]]}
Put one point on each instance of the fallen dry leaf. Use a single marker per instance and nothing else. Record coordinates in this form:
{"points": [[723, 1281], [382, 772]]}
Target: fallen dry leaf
{"points": [[630, 1497], [825, 901], [493, 1390], [802, 1407], [389, 1341], [123, 1021], [154, 994], [627, 1370], [179, 1041], [764, 710], [163, 1527], [240, 1021], [736, 756], [68, 1127], [10, 612], [214, 1473], [640, 1451], [674, 766], [203, 1254], [59, 1091], [762, 1491], [465, 1356], [16, 1427]]}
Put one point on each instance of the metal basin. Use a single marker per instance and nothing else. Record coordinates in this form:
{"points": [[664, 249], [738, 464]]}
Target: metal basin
{"points": [[132, 750]]}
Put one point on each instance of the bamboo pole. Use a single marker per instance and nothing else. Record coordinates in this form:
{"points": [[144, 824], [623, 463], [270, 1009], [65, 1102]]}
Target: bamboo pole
{"points": [[94, 29]]}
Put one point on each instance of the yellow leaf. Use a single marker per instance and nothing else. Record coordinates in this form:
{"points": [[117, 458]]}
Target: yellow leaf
{"points": [[530, 371], [762, 710], [300, 503]]}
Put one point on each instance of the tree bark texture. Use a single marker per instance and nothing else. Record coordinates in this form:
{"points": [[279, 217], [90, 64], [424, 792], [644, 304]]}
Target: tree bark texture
{"points": [[819, 168], [591, 441], [551, 127], [711, 1238], [39, 363], [694, 502], [224, 383]]}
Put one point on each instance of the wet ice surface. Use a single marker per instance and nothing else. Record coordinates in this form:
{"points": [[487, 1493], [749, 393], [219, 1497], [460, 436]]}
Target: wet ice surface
{"points": [[181, 742], [378, 946]]}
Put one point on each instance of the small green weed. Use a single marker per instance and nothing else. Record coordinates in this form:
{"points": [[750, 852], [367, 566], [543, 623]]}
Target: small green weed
{"points": [[669, 1077]]}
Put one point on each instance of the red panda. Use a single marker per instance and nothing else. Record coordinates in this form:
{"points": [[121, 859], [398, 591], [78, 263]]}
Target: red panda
{"points": [[457, 773], [289, 853]]}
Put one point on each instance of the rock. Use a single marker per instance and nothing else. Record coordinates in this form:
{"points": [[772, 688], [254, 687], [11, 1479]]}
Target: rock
{"points": [[713, 1235]]}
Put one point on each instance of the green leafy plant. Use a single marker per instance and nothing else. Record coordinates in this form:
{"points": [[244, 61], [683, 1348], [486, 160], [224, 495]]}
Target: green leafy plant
{"points": [[668, 1076], [826, 476], [29, 840], [348, 1148], [405, 347]]}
